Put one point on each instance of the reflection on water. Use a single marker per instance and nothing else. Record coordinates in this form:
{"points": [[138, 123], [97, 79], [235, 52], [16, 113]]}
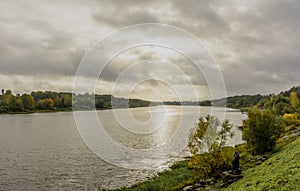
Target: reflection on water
{"points": [[46, 152], [127, 128]]}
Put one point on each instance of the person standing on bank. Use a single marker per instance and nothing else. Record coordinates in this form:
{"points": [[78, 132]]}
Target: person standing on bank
{"points": [[236, 163]]}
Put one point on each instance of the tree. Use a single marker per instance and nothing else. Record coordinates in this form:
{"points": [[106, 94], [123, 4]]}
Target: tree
{"points": [[19, 105], [294, 100], [39, 95], [280, 108], [49, 103], [10, 101], [66, 100], [211, 135], [28, 101], [198, 141], [8, 92], [45, 104], [100, 104], [291, 118], [261, 130], [41, 105]]}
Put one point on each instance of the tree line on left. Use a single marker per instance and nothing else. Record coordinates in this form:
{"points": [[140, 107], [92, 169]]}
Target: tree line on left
{"points": [[62, 101], [36, 101]]}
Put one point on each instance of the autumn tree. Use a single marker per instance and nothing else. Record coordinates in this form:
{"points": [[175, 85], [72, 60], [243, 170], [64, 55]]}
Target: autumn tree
{"points": [[10, 101], [49, 103], [28, 101], [294, 100], [207, 145]]}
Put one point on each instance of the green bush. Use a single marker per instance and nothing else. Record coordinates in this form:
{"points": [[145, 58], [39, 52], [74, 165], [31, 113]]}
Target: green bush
{"points": [[261, 130]]}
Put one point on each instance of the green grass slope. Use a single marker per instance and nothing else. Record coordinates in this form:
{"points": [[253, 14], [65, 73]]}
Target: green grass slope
{"points": [[170, 180], [279, 172]]}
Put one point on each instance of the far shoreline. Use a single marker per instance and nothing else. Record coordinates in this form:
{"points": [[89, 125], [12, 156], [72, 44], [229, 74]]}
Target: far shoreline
{"points": [[71, 110]]}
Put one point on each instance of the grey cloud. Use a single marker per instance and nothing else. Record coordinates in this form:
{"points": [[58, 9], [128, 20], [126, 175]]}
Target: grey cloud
{"points": [[285, 13], [257, 47], [119, 19], [200, 18], [42, 51], [140, 56], [118, 13], [265, 42]]}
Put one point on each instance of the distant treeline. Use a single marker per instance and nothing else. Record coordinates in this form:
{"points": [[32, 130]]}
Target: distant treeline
{"points": [[90, 101], [62, 101], [280, 103], [192, 103], [241, 101]]}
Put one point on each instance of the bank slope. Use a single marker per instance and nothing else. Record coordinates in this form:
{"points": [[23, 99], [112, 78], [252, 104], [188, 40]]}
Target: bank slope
{"points": [[279, 172]]}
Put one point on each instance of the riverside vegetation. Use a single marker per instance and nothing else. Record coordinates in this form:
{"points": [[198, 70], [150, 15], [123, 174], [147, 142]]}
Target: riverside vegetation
{"points": [[269, 157], [62, 101]]}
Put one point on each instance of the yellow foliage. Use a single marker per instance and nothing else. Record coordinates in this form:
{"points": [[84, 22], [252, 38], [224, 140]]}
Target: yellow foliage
{"points": [[294, 100], [291, 118], [211, 164]]}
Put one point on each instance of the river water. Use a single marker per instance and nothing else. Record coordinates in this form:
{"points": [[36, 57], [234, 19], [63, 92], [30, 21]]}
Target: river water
{"points": [[44, 151]]}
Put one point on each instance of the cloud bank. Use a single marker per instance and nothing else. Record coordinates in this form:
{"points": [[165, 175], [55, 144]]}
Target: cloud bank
{"points": [[256, 43]]}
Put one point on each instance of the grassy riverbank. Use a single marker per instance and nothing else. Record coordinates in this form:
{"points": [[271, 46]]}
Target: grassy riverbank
{"points": [[174, 179], [279, 170]]}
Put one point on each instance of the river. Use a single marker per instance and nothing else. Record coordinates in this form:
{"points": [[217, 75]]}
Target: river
{"points": [[44, 151]]}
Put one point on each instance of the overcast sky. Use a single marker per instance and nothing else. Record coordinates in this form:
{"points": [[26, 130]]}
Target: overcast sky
{"points": [[255, 43]]}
